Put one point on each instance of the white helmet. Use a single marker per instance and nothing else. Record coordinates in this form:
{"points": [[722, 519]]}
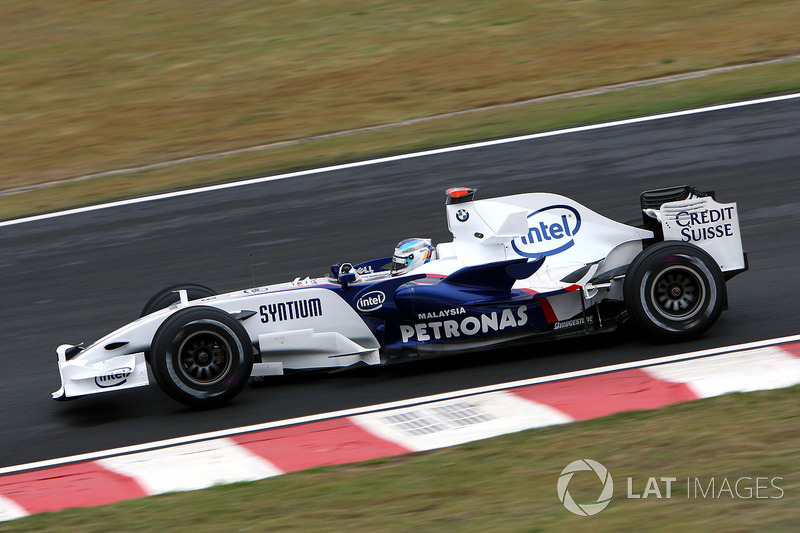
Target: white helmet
{"points": [[411, 253]]}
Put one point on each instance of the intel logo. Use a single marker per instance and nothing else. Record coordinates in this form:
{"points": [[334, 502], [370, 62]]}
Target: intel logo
{"points": [[551, 230], [114, 378], [371, 301]]}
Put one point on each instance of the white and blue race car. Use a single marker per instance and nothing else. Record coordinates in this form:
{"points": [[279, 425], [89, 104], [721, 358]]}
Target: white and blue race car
{"points": [[520, 268]]}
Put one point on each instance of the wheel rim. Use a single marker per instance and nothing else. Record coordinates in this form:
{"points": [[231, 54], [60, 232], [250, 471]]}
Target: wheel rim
{"points": [[678, 293], [204, 358]]}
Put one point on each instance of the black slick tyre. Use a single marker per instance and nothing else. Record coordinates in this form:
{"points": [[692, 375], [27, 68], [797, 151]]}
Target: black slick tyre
{"points": [[201, 356], [169, 295], [674, 291]]}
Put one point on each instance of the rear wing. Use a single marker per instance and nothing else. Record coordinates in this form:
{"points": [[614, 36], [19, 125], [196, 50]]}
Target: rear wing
{"points": [[688, 215]]}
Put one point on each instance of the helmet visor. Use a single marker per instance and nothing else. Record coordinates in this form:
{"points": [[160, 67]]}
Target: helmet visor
{"points": [[400, 262]]}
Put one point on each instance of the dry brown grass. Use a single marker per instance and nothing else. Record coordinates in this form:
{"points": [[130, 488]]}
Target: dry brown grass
{"points": [[92, 86], [724, 87]]}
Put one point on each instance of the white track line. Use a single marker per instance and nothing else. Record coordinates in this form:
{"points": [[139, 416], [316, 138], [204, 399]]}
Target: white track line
{"points": [[437, 151], [394, 405]]}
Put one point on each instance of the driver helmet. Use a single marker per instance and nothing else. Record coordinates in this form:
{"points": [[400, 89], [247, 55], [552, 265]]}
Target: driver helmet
{"points": [[412, 253]]}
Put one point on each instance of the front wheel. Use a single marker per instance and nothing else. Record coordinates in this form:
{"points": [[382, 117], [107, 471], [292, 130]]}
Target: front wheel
{"points": [[674, 290], [201, 356], [168, 296]]}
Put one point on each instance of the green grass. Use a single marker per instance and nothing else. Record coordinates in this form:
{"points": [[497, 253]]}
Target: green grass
{"points": [[509, 483], [86, 88]]}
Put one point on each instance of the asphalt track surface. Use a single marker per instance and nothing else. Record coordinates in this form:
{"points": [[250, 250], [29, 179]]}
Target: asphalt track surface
{"points": [[75, 278]]}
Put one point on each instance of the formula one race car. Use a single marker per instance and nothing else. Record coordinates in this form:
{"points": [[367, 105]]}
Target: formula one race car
{"points": [[520, 268]]}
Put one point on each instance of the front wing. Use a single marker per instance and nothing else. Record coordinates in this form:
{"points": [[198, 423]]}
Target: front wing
{"points": [[81, 377]]}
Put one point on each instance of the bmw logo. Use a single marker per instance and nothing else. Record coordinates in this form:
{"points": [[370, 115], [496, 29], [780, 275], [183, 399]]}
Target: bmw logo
{"points": [[462, 215]]}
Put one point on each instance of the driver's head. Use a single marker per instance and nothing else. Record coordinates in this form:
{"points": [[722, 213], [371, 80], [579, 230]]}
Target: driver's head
{"points": [[412, 253]]}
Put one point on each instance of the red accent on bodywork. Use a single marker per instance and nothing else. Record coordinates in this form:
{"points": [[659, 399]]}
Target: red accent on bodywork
{"points": [[549, 314], [457, 192]]}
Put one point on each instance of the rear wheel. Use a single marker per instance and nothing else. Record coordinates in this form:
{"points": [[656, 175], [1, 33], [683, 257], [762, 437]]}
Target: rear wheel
{"points": [[674, 290], [201, 356], [169, 295]]}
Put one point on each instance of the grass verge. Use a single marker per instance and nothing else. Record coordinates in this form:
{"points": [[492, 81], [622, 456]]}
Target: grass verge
{"points": [[509, 483], [93, 87], [724, 87]]}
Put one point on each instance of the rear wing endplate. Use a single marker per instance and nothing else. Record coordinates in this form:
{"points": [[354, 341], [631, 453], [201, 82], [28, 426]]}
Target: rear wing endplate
{"points": [[701, 220]]}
